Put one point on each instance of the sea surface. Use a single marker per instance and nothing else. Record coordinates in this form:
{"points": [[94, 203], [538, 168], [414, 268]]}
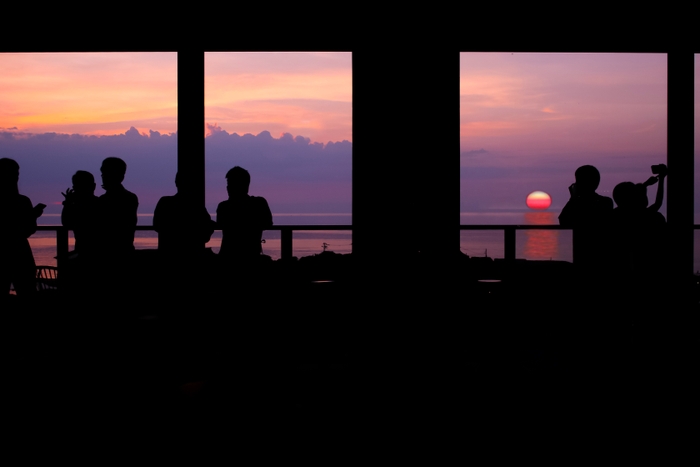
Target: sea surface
{"points": [[529, 244]]}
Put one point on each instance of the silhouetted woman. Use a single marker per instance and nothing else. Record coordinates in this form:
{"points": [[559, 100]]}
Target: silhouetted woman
{"points": [[18, 224]]}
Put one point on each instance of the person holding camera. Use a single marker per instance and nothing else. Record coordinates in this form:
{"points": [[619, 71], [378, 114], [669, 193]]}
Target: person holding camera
{"points": [[639, 228]]}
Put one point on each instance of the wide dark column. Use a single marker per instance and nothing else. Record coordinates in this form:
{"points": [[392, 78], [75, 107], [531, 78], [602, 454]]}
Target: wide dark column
{"points": [[405, 152], [190, 120], [681, 163]]}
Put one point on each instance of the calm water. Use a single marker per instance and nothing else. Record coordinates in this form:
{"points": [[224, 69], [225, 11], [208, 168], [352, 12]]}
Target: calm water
{"points": [[304, 243], [530, 244]]}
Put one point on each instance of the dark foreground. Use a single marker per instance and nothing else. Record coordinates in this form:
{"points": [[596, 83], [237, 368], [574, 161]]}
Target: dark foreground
{"points": [[284, 348]]}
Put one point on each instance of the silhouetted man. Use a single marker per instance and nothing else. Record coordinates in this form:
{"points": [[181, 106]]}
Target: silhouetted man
{"points": [[242, 218], [80, 211], [117, 210], [588, 213], [183, 226]]}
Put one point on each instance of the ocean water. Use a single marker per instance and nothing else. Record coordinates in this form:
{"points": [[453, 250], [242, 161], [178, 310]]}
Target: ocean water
{"points": [[303, 243], [529, 244]]}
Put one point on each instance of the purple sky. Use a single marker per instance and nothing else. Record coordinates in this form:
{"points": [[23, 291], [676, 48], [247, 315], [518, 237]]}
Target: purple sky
{"points": [[529, 120], [294, 174]]}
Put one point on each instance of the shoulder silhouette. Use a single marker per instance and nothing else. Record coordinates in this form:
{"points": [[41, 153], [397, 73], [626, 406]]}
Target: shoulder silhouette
{"points": [[183, 226], [117, 209], [588, 213], [585, 207], [242, 217]]}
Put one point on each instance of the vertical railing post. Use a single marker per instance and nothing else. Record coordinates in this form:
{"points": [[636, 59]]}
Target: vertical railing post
{"points": [[61, 250], [61, 245], [286, 243], [509, 238]]}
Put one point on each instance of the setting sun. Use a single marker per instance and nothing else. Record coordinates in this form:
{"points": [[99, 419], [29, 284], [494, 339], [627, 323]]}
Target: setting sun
{"points": [[538, 200]]}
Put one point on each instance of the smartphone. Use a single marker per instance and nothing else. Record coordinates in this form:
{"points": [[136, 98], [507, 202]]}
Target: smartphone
{"points": [[40, 206], [656, 169]]}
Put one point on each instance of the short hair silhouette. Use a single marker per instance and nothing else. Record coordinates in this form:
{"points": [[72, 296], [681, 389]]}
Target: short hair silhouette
{"points": [[624, 194], [9, 170], [587, 178], [238, 178], [8, 165], [114, 165], [83, 178]]}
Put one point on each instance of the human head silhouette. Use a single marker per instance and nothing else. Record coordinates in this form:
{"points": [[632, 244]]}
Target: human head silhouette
{"points": [[182, 183], [83, 183], [9, 175], [113, 170], [628, 195], [238, 180], [623, 194], [587, 179]]}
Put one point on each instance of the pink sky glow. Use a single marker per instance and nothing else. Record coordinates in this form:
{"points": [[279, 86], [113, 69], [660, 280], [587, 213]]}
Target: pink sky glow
{"points": [[307, 94], [527, 121]]}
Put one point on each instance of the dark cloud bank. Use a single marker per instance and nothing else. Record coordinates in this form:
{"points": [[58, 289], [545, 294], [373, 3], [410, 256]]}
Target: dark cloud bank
{"points": [[294, 174]]}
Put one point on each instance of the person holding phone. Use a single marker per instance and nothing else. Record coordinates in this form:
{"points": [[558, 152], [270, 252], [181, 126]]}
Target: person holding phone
{"points": [[588, 214], [17, 265]]}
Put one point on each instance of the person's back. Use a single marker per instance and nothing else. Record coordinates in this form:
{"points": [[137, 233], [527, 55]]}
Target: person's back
{"points": [[183, 227], [117, 210], [242, 218]]}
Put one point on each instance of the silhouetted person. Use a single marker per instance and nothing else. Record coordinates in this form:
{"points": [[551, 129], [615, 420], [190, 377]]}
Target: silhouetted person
{"points": [[633, 197], [639, 229], [588, 213], [242, 218], [18, 223], [183, 226], [117, 210], [80, 211]]}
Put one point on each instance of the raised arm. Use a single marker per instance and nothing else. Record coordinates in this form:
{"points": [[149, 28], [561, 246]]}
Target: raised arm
{"points": [[659, 195]]}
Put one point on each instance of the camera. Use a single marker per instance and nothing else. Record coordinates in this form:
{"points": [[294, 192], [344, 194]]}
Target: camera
{"points": [[658, 169]]}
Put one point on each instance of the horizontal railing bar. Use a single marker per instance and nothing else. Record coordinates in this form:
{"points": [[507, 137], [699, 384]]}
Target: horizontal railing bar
{"points": [[349, 227], [513, 227], [274, 227]]}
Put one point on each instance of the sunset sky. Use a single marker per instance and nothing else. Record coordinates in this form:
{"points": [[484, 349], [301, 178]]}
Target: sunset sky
{"points": [[527, 122], [308, 94], [286, 117], [88, 93]]}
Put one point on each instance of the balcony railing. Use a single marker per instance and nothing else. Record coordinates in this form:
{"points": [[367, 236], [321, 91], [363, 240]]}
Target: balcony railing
{"points": [[509, 234], [286, 234]]}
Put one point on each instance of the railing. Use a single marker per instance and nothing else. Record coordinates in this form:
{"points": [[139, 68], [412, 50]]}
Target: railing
{"points": [[509, 234], [286, 232]]}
